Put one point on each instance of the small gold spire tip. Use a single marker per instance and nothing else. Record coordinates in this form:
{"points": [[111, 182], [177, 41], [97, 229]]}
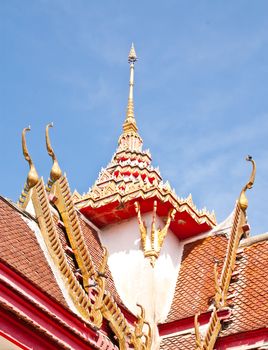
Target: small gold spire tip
{"points": [[55, 172], [32, 177], [130, 122], [132, 57]]}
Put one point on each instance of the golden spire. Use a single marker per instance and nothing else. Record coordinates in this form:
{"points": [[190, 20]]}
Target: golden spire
{"points": [[243, 201], [32, 177], [130, 123], [55, 172]]}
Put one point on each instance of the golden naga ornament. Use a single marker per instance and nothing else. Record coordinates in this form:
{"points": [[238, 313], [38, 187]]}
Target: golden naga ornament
{"points": [[32, 177], [243, 201], [55, 172], [152, 246]]}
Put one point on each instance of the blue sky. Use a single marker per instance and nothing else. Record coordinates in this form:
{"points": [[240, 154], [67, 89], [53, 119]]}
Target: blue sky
{"points": [[201, 97]]}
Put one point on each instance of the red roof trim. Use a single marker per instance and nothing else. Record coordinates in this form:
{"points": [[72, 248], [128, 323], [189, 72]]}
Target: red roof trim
{"points": [[39, 296], [25, 333], [13, 341], [254, 337], [23, 299], [186, 323]]}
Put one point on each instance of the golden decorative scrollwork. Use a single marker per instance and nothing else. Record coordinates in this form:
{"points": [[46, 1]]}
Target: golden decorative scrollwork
{"points": [[51, 237], [70, 219], [139, 338], [142, 226], [101, 283], [222, 284]]}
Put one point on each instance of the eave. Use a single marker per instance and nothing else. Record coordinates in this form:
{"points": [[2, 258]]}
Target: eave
{"points": [[119, 205], [31, 317]]}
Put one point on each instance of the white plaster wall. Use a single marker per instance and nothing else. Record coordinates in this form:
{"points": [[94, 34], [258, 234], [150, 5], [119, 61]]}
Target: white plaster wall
{"points": [[135, 279]]}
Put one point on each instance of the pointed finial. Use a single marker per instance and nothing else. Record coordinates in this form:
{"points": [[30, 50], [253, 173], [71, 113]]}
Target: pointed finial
{"points": [[132, 57], [130, 123], [243, 201], [55, 172], [32, 177]]}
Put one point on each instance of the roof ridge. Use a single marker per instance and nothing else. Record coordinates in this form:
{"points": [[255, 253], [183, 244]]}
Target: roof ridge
{"points": [[15, 206], [246, 242]]}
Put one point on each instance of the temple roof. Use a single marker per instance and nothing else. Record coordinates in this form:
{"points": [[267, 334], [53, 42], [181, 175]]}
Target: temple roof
{"points": [[54, 270]]}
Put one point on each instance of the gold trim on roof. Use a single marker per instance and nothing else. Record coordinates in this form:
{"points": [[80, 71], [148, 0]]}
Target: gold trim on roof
{"points": [[99, 197], [101, 282], [152, 245], [140, 339], [222, 284], [219, 298], [127, 337], [198, 337], [43, 213], [70, 219]]}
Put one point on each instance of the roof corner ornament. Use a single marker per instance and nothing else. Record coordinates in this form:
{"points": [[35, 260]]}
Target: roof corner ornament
{"points": [[32, 177], [55, 172], [243, 201], [139, 334], [130, 123], [222, 286], [152, 246]]}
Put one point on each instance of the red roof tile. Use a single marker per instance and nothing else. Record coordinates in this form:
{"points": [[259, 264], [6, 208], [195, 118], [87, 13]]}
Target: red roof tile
{"points": [[179, 342], [20, 249], [250, 304], [195, 283]]}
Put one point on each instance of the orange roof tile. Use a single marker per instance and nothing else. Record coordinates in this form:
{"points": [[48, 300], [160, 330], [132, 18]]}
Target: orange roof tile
{"points": [[195, 283], [250, 303], [19, 248], [180, 342]]}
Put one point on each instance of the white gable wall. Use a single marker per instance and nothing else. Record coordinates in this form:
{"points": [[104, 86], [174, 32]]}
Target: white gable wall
{"points": [[135, 279]]}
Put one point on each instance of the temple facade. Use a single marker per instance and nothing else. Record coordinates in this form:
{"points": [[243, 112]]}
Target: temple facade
{"points": [[130, 264]]}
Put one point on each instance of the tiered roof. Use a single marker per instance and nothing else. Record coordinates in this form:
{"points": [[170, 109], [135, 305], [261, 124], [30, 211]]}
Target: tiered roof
{"points": [[131, 177]]}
